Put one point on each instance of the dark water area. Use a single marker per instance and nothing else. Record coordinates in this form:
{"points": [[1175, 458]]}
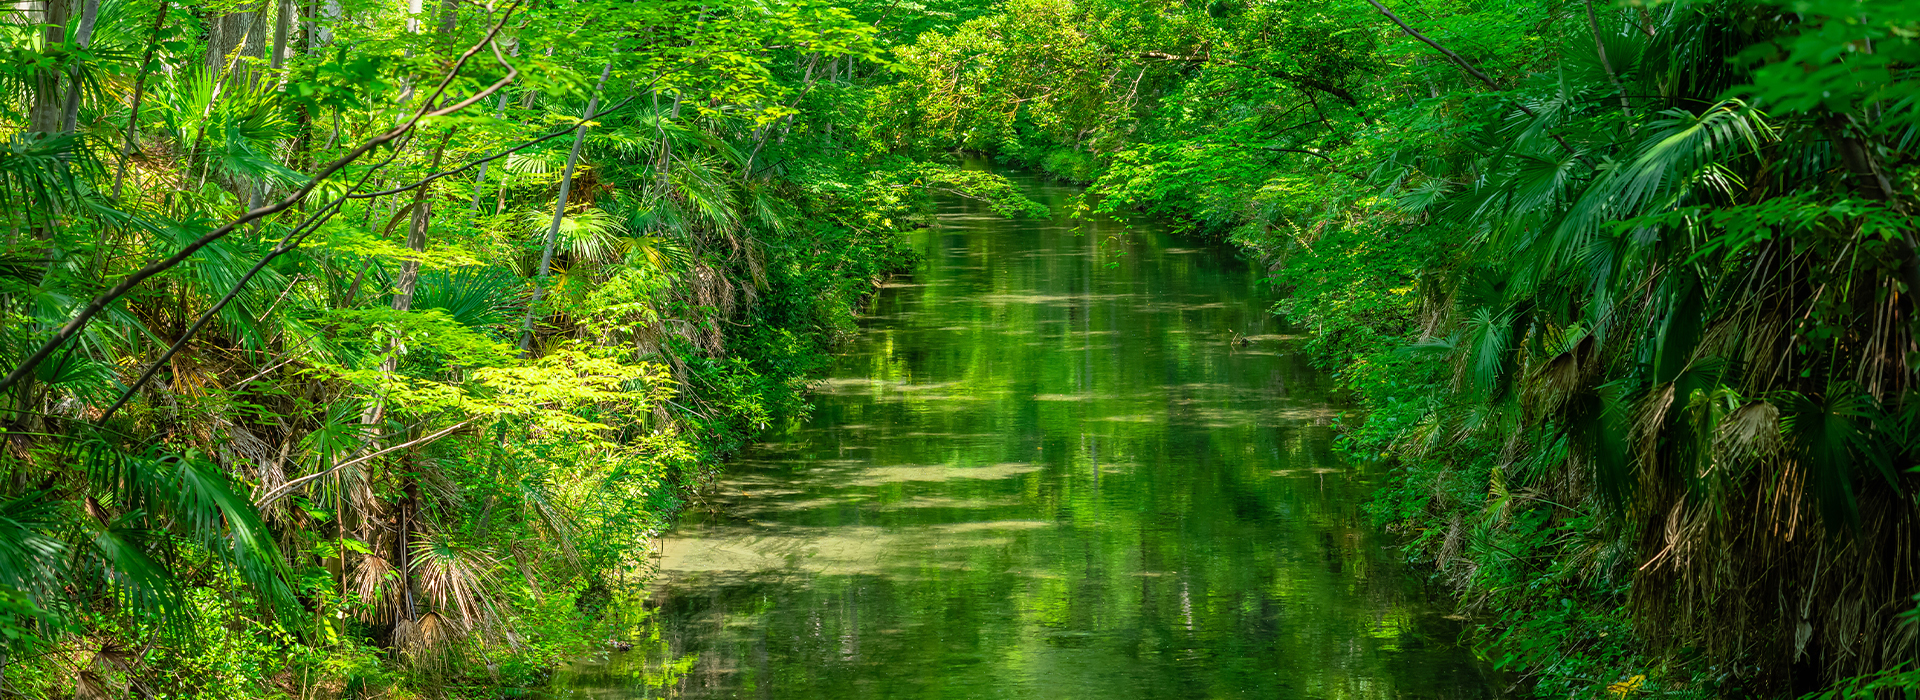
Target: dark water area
{"points": [[1061, 461]]}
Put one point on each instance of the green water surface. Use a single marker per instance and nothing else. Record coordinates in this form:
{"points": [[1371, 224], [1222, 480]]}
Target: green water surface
{"points": [[1060, 461]]}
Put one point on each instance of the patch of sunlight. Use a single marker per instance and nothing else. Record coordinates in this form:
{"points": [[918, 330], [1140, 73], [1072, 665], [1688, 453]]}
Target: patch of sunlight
{"points": [[949, 502], [1306, 471], [991, 525], [1307, 413], [878, 476], [1070, 397], [831, 550]]}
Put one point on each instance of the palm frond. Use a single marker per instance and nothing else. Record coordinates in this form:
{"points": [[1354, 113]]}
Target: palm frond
{"points": [[457, 580]]}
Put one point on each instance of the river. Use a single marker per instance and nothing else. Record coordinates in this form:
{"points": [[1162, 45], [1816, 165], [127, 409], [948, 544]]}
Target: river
{"points": [[1061, 461]]}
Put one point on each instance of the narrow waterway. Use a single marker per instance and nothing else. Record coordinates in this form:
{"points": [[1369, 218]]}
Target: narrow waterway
{"points": [[1061, 461]]}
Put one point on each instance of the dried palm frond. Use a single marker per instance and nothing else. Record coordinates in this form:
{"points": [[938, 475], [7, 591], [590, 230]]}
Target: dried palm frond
{"points": [[457, 580], [376, 584], [1751, 432], [424, 639]]}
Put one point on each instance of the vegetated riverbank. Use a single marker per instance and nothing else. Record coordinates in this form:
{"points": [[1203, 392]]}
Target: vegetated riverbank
{"points": [[1621, 301], [1065, 459], [342, 363]]}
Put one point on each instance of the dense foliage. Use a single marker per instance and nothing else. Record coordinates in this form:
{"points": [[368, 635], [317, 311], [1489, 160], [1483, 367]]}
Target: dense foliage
{"points": [[361, 349], [1624, 294], [356, 348]]}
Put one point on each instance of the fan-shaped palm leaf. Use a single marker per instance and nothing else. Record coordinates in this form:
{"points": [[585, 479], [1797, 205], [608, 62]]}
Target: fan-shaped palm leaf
{"points": [[31, 557], [474, 296], [457, 580], [585, 235]]}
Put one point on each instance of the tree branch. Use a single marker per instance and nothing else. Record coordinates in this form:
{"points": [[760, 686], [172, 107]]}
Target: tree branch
{"points": [[497, 156], [292, 240], [1462, 62], [1466, 66], [1315, 154], [1300, 80], [93, 308], [288, 487]]}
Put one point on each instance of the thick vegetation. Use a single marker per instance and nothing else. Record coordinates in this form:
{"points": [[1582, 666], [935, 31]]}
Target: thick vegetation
{"points": [[362, 349], [358, 348], [1624, 294]]}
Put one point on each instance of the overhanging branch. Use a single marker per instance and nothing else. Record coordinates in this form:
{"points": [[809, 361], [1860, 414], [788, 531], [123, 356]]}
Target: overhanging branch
{"points": [[93, 308]]}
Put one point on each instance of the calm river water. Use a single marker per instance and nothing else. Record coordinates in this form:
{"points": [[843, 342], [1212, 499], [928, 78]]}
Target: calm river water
{"points": [[1045, 470]]}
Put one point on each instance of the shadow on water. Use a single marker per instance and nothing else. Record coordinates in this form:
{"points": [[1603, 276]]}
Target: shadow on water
{"points": [[1046, 469]]}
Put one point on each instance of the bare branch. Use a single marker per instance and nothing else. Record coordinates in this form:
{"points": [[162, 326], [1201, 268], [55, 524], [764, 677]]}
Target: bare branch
{"points": [[1462, 62], [99, 303], [497, 156], [288, 487], [1468, 67], [292, 240]]}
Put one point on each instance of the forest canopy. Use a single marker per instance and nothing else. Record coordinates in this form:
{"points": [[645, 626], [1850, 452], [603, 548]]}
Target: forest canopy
{"points": [[364, 347]]}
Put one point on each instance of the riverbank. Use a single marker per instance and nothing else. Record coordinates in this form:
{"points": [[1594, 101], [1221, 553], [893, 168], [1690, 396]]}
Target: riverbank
{"points": [[1064, 459], [1614, 304], [1447, 502], [373, 362]]}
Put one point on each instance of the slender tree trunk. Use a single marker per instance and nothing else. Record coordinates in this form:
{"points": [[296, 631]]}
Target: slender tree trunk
{"points": [[131, 144], [480, 179], [407, 511], [423, 196], [417, 234], [1871, 180], [559, 211], [326, 12], [82, 37], [353, 288], [282, 29], [413, 27], [499, 111], [44, 114], [404, 286]]}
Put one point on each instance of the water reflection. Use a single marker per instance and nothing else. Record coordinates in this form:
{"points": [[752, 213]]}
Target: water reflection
{"points": [[1047, 470]]}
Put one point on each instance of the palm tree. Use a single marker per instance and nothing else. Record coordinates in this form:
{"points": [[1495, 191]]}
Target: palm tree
{"points": [[1688, 306]]}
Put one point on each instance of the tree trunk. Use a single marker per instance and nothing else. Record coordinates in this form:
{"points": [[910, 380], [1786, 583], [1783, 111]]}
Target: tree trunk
{"points": [[480, 180], [403, 285], [44, 115], [255, 45], [326, 12], [132, 143], [82, 37], [1870, 179], [559, 211], [224, 34], [404, 538], [282, 28]]}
